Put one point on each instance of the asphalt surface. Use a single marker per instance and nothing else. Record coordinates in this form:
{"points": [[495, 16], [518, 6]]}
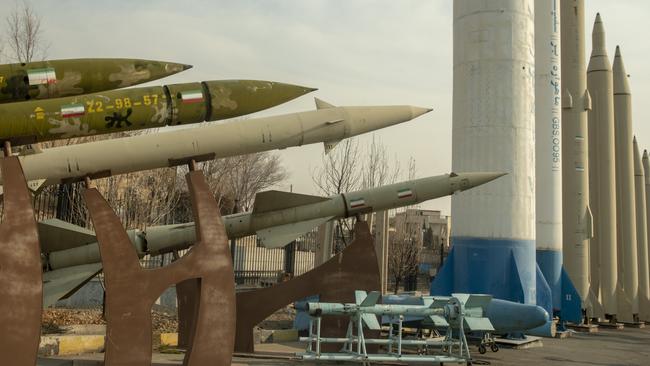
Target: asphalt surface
{"points": [[605, 348]]}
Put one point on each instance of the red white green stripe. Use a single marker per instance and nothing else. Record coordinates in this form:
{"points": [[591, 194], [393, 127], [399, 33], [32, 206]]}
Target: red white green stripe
{"points": [[404, 193], [191, 96], [41, 76], [356, 203], [72, 110]]}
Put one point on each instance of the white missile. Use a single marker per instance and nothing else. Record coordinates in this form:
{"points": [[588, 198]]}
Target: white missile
{"points": [[328, 124]]}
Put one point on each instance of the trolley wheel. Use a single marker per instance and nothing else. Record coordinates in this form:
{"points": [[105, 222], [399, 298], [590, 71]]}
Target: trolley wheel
{"points": [[494, 347], [482, 349]]}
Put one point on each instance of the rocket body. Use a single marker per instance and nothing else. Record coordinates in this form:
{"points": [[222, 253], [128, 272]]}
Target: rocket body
{"points": [[548, 145], [493, 235]]}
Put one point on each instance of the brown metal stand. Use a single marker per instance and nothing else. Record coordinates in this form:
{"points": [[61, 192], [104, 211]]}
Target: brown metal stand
{"points": [[131, 290], [355, 268], [21, 284]]}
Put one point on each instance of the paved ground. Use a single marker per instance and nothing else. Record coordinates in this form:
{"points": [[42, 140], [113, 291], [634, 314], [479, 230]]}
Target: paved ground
{"points": [[606, 348]]}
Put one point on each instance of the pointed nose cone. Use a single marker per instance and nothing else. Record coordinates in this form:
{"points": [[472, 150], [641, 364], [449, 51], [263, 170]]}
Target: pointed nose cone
{"points": [[598, 38], [232, 98], [160, 69], [638, 163], [418, 111], [621, 83], [366, 119], [465, 181]]}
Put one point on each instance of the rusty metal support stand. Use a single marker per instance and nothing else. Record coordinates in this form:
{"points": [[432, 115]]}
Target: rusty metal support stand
{"points": [[131, 290], [356, 267], [21, 284]]}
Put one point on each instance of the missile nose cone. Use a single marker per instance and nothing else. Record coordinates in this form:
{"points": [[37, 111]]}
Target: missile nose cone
{"points": [[598, 37], [617, 53], [231, 98], [187, 67], [475, 179], [418, 111], [645, 154], [508, 316]]}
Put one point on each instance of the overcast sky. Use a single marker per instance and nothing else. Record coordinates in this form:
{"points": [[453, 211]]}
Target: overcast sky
{"points": [[357, 52]]}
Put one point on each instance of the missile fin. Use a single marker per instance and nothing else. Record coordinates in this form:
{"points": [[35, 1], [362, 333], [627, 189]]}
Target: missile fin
{"points": [[279, 236], [587, 101], [55, 231], [371, 299], [359, 296], [478, 301], [567, 100], [278, 200], [33, 185], [371, 321], [330, 145], [439, 321], [321, 104], [589, 224], [478, 324], [61, 283]]}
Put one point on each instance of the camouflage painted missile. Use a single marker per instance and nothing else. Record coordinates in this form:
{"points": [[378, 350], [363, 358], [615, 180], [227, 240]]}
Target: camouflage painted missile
{"points": [[328, 124], [72, 253], [277, 218], [63, 78], [139, 108]]}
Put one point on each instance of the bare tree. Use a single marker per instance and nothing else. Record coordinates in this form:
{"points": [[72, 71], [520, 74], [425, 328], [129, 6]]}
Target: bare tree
{"points": [[251, 174], [404, 251], [24, 34], [341, 169]]}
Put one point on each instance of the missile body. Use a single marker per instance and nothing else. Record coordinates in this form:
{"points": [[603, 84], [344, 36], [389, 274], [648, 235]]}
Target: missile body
{"points": [[548, 141], [277, 218], [505, 316], [602, 172], [493, 130], [139, 108], [137, 153], [641, 236], [628, 300], [646, 172], [576, 101], [63, 78]]}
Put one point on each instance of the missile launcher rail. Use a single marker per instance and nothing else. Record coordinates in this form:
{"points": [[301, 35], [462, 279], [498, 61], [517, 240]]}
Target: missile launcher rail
{"points": [[458, 313]]}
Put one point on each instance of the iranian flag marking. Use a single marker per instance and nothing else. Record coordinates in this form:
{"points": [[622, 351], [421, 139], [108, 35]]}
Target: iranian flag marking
{"points": [[72, 110], [405, 193], [41, 76], [356, 203], [192, 96]]}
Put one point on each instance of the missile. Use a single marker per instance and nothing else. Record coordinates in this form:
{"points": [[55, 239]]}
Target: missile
{"points": [[139, 108], [505, 316], [602, 173], [442, 311], [63, 78], [641, 235], [277, 218], [71, 252], [577, 227], [628, 298], [328, 124]]}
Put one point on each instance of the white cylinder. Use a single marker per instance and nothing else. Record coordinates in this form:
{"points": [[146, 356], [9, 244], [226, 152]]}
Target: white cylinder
{"points": [[493, 130], [548, 143]]}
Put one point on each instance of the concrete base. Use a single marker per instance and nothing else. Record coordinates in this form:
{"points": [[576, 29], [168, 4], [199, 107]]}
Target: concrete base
{"points": [[562, 334], [583, 328], [614, 326], [528, 342], [637, 325]]}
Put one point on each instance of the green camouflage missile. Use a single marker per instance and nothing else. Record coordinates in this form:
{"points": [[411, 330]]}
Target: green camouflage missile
{"points": [[139, 108], [63, 78]]}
